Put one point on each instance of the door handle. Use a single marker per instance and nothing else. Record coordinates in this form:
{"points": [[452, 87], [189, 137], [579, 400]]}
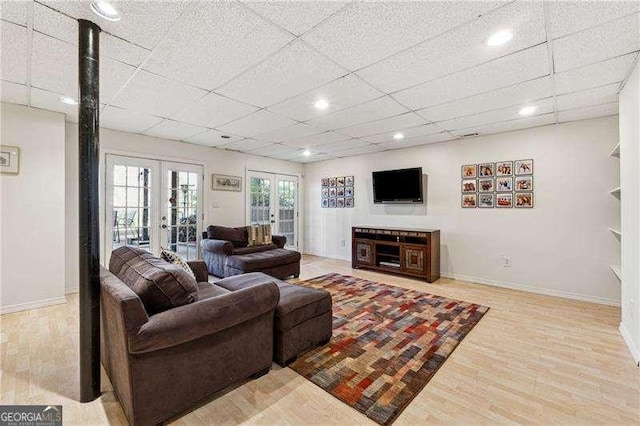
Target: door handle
{"points": [[163, 226], [273, 221]]}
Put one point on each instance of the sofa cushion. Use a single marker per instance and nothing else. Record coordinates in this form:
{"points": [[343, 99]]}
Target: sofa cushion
{"points": [[208, 290], [177, 260], [259, 261], [237, 236], [259, 235], [254, 249], [159, 284]]}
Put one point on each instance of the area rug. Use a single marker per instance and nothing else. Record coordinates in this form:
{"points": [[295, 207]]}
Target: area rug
{"points": [[387, 343]]}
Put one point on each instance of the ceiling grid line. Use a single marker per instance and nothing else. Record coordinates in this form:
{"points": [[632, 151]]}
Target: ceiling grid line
{"points": [[547, 12], [29, 53]]}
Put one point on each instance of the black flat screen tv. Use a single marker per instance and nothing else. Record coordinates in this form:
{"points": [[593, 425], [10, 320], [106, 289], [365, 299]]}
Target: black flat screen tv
{"points": [[402, 186]]}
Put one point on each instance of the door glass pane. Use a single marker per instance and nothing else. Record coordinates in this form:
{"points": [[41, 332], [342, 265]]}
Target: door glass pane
{"points": [[131, 194], [286, 210], [260, 201], [182, 214]]}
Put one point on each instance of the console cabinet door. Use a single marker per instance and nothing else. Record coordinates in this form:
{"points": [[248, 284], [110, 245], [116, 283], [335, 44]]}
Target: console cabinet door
{"points": [[364, 252], [414, 259]]}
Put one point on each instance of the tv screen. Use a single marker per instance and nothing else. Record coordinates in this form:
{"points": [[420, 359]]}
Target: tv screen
{"points": [[398, 186]]}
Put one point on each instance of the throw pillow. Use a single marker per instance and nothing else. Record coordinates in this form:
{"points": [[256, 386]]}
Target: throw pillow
{"points": [[174, 258], [259, 235]]}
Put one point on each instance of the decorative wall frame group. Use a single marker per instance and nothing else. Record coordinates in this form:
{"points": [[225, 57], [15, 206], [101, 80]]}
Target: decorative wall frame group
{"points": [[337, 192], [504, 184]]}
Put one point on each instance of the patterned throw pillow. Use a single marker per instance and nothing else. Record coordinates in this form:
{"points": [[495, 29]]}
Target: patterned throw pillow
{"points": [[259, 235], [172, 257]]}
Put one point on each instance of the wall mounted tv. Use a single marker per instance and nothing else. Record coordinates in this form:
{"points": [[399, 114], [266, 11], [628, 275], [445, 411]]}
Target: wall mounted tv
{"points": [[402, 186]]}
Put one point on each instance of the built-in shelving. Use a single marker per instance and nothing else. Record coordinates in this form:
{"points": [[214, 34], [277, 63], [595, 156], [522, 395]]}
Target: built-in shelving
{"points": [[615, 192], [616, 270], [615, 232], [616, 152]]}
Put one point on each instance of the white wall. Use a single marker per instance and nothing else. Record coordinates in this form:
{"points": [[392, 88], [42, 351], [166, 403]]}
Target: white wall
{"points": [[630, 200], [231, 205], [32, 257], [560, 247]]}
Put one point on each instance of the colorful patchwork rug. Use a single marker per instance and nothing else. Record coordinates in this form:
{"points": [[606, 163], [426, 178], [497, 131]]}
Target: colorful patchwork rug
{"points": [[387, 343]]}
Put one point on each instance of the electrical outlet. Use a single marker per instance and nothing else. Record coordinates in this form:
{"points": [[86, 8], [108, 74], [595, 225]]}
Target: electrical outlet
{"points": [[506, 261], [342, 243]]}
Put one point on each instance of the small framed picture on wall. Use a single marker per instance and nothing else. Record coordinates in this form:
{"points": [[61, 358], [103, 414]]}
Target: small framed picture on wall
{"points": [[485, 200], [469, 201], [524, 200], [324, 192], [332, 203], [340, 181], [348, 202], [486, 170], [348, 191], [504, 168], [340, 191], [524, 183], [348, 181], [469, 171], [325, 203], [524, 167], [504, 201], [332, 192], [469, 185], [485, 185], [333, 182], [325, 182], [504, 184], [340, 202]]}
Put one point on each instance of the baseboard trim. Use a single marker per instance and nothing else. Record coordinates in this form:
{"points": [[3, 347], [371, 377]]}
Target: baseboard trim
{"points": [[633, 348], [31, 305], [71, 290], [531, 289]]}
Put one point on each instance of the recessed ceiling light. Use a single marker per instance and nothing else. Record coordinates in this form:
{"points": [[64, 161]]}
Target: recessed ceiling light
{"points": [[105, 10], [398, 136], [500, 38], [321, 104], [68, 101], [528, 110], [306, 153]]}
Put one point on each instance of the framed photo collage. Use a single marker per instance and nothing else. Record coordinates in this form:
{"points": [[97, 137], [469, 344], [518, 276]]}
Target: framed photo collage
{"points": [[503, 185], [337, 192]]}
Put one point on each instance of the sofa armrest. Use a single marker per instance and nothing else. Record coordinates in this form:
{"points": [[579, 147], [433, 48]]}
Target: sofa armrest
{"points": [[279, 240], [203, 318], [217, 246], [199, 268]]}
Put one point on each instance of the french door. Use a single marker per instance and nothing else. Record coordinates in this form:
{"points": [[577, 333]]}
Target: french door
{"points": [[273, 199], [152, 204]]}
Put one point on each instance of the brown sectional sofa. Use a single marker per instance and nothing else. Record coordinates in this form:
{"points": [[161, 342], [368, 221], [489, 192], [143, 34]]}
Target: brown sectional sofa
{"points": [[226, 253]]}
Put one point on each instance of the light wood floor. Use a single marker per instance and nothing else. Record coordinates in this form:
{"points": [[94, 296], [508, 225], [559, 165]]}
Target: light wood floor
{"points": [[532, 359]]}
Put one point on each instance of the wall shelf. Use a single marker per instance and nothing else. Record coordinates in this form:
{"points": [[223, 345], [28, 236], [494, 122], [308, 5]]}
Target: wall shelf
{"points": [[616, 270], [615, 192], [616, 152], [615, 232]]}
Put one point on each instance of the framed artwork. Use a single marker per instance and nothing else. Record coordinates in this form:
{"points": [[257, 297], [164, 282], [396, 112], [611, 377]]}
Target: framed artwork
{"points": [[469, 201], [340, 191], [504, 168], [504, 184], [325, 182], [324, 192], [340, 181], [524, 167], [332, 192], [485, 185], [325, 203], [469, 171], [524, 200], [485, 200], [469, 185], [348, 191], [226, 183], [333, 181], [348, 181], [340, 202], [524, 183], [332, 203], [486, 170], [9, 159], [348, 202], [504, 201]]}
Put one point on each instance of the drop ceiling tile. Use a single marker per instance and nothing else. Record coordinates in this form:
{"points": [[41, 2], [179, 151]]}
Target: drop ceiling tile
{"points": [[54, 65], [156, 95], [257, 123], [113, 74], [297, 131], [363, 150], [126, 120], [411, 132], [596, 96], [598, 74], [588, 112], [409, 119], [13, 93], [297, 17], [213, 110], [341, 93], [460, 48], [506, 126], [276, 151], [51, 101], [214, 42], [122, 50], [512, 69], [293, 70], [142, 23], [606, 41], [544, 106], [421, 140], [314, 158], [566, 17], [339, 146], [513, 95], [169, 129], [369, 111], [247, 145], [213, 138], [365, 32], [321, 139], [289, 156], [14, 11], [14, 52]]}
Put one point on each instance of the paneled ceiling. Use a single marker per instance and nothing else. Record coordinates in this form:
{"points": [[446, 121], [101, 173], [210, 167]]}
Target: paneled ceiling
{"points": [[245, 75]]}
